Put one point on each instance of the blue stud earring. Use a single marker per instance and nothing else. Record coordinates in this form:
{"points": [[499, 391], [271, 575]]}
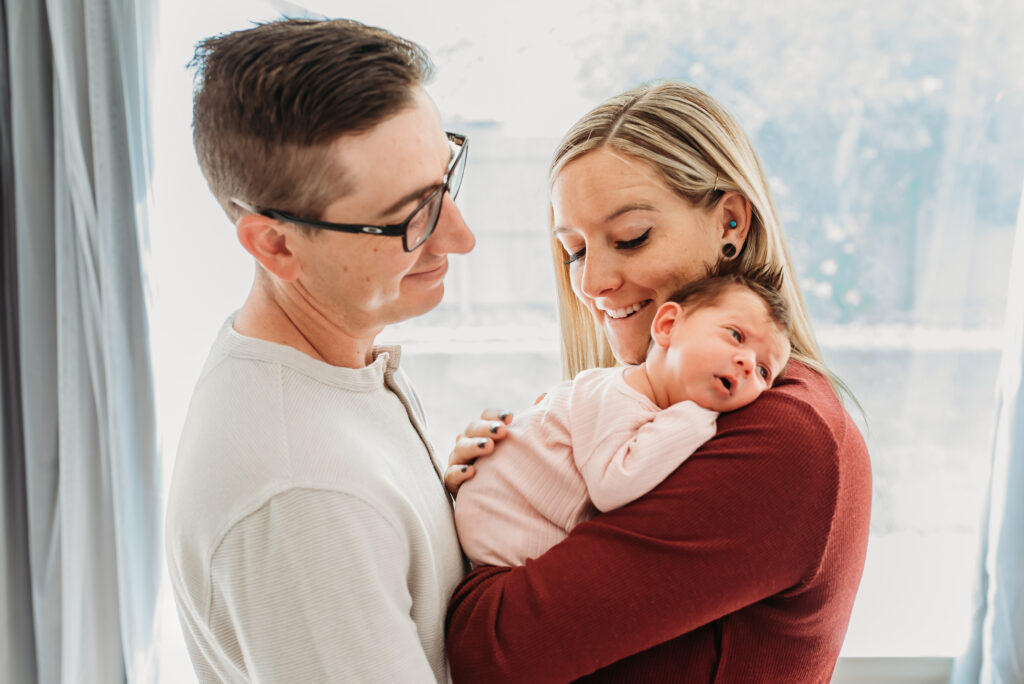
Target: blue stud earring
{"points": [[732, 224]]}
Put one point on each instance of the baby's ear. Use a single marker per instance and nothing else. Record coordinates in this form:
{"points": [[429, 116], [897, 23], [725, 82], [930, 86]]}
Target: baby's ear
{"points": [[667, 316]]}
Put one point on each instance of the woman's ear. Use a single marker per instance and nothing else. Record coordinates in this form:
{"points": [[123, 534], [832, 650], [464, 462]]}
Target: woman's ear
{"points": [[269, 241], [667, 316], [734, 215]]}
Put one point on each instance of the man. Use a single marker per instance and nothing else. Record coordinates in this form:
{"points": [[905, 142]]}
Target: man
{"points": [[309, 535]]}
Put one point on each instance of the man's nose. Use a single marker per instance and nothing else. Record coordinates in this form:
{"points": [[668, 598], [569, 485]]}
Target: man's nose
{"points": [[452, 235]]}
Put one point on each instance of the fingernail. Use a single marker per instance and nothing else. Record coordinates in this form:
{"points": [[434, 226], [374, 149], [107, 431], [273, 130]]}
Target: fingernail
{"points": [[482, 443], [503, 415], [465, 468], [494, 427]]}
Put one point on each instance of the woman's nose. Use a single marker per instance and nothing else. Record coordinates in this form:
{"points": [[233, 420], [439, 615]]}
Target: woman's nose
{"points": [[600, 274]]}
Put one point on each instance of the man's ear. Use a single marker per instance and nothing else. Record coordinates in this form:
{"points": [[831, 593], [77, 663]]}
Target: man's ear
{"points": [[734, 207], [667, 316], [270, 243]]}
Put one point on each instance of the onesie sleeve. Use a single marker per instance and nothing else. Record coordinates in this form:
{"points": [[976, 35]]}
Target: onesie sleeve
{"points": [[622, 452], [747, 518], [312, 587]]}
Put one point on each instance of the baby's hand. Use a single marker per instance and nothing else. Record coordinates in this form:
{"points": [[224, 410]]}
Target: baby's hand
{"points": [[476, 440]]}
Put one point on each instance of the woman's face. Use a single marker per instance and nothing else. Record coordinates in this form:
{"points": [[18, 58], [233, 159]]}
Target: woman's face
{"points": [[632, 242]]}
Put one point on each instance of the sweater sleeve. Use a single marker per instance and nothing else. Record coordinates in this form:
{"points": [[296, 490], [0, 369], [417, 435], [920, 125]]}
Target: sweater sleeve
{"points": [[748, 517], [313, 587], [621, 461]]}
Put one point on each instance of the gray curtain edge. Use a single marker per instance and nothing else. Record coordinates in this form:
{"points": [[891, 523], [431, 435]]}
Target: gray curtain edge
{"points": [[18, 648], [83, 529]]}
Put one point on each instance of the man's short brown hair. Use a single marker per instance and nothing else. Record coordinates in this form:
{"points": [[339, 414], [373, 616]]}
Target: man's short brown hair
{"points": [[270, 100]]}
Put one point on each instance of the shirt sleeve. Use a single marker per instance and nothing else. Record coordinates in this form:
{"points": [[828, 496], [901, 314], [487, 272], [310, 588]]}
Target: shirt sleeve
{"points": [[748, 517], [312, 587], [620, 461]]}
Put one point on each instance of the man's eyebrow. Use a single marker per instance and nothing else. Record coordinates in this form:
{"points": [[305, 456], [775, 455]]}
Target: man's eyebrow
{"points": [[421, 192], [625, 209], [410, 197]]}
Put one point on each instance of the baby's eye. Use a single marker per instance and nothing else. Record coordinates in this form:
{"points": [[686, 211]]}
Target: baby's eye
{"points": [[763, 371], [736, 334]]}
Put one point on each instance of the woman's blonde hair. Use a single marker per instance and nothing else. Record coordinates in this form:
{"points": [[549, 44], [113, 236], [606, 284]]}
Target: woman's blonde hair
{"points": [[701, 153]]}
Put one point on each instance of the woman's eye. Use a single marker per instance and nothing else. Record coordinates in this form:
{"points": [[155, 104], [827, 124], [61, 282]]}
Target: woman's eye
{"points": [[763, 371], [575, 256], [635, 242]]}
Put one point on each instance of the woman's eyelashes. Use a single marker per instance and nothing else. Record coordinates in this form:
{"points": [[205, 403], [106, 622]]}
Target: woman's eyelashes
{"points": [[619, 244], [574, 256], [635, 242]]}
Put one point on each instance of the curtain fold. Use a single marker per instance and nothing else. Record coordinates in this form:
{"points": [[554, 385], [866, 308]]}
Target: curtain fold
{"points": [[80, 165], [995, 652], [15, 602]]}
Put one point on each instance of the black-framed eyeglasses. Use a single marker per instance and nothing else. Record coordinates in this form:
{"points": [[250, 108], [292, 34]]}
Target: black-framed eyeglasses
{"points": [[417, 227]]}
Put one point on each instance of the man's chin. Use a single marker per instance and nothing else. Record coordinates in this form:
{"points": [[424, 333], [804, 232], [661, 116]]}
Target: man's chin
{"points": [[423, 303]]}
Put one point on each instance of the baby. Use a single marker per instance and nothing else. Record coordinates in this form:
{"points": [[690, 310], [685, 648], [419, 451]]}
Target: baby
{"points": [[610, 435]]}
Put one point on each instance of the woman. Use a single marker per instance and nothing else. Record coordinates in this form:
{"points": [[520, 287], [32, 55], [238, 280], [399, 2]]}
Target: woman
{"points": [[743, 564]]}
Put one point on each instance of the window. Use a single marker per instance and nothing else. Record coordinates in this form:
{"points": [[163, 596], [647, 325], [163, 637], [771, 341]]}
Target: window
{"points": [[890, 132]]}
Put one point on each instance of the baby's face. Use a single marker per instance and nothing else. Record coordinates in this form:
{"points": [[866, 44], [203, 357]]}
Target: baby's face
{"points": [[724, 355]]}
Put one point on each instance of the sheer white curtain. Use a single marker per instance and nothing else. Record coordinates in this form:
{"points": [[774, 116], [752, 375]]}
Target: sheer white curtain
{"points": [[996, 650], [81, 525]]}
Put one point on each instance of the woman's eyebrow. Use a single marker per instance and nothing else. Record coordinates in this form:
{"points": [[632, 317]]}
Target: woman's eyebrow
{"points": [[638, 206], [625, 209]]}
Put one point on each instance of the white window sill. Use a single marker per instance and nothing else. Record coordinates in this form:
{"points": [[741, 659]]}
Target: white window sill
{"points": [[893, 671]]}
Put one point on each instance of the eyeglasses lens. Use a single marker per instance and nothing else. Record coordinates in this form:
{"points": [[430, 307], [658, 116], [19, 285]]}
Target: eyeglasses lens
{"points": [[423, 222], [421, 225]]}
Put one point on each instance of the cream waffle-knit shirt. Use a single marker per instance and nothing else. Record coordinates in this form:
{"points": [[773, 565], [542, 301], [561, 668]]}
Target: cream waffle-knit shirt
{"points": [[309, 536]]}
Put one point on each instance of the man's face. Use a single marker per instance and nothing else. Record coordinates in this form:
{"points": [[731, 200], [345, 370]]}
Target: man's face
{"points": [[361, 283]]}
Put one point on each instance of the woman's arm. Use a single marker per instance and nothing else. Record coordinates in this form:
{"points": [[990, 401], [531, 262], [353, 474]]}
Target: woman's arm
{"points": [[745, 518]]}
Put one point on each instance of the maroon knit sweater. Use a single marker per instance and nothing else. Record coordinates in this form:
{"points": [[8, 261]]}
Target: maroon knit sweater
{"points": [[741, 566]]}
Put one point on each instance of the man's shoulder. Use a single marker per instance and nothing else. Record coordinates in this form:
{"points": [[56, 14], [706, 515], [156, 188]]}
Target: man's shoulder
{"points": [[255, 428]]}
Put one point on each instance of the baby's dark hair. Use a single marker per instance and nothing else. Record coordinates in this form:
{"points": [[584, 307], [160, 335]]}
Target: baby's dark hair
{"points": [[764, 281]]}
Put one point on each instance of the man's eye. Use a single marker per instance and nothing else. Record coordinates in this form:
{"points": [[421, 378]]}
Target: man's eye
{"points": [[635, 242], [575, 256]]}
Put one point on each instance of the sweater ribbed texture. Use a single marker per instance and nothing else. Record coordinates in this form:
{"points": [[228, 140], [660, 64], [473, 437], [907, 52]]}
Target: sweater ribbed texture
{"points": [[741, 566]]}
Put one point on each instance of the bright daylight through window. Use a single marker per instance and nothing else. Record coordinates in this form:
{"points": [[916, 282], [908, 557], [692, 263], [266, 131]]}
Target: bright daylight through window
{"points": [[893, 146]]}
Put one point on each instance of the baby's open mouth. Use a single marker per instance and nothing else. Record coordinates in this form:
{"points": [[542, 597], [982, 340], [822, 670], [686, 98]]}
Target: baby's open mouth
{"points": [[726, 382]]}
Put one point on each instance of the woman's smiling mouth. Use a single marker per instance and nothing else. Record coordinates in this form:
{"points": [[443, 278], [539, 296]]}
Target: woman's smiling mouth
{"points": [[626, 312]]}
